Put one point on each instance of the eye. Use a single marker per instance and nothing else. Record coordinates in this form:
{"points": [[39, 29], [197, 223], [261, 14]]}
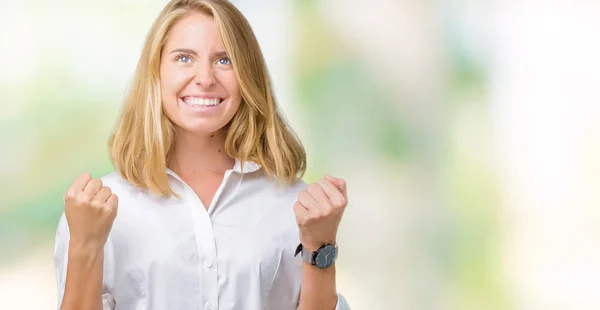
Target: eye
{"points": [[224, 61], [183, 58]]}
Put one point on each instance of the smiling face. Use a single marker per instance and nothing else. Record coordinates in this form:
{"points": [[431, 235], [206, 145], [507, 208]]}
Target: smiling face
{"points": [[200, 91]]}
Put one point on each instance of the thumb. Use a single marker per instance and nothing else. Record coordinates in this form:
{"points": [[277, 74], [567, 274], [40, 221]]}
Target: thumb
{"points": [[339, 183]]}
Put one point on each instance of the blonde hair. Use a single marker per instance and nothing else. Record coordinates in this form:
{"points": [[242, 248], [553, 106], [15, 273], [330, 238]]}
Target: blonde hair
{"points": [[144, 137]]}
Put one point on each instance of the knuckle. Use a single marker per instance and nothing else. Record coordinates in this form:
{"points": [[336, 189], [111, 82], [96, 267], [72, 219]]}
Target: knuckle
{"points": [[343, 202], [68, 198], [97, 204], [319, 214], [70, 193], [107, 208], [339, 202], [330, 208], [84, 199], [68, 202]]}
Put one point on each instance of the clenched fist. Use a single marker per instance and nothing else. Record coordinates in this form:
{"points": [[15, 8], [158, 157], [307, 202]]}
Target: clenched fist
{"points": [[90, 209], [319, 210]]}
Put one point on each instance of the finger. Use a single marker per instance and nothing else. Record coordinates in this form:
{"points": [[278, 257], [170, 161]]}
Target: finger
{"points": [[329, 187], [79, 184], [93, 187], [319, 196], [301, 213], [313, 210], [339, 183], [299, 208], [333, 193], [113, 201], [103, 194], [307, 200]]}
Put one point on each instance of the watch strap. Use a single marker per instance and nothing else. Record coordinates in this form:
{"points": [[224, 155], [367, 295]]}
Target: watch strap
{"points": [[308, 255]]}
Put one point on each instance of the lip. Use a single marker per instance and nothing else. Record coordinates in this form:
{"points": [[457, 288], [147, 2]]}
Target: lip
{"points": [[202, 109], [203, 96]]}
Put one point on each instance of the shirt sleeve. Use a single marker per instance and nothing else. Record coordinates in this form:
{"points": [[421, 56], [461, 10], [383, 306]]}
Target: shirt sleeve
{"points": [[61, 251], [342, 304]]}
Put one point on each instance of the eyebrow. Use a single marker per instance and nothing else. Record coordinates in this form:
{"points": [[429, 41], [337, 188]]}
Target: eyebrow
{"points": [[192, 52]]}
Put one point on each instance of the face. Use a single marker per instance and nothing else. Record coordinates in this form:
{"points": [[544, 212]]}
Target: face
{"points": [[200, 93]]}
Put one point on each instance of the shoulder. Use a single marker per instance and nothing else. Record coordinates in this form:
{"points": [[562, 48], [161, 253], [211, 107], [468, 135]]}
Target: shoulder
{"points": [[288, 189], [132, 200], [268, 187], [123, 188], [273, 199], [117, 183], [267, 207]]}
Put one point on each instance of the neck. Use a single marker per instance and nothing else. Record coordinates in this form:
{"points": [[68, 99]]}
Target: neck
{"points": [[197, 156]]}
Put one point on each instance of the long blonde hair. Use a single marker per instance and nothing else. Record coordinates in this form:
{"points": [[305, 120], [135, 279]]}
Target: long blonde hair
{"points": [[144, 137]]}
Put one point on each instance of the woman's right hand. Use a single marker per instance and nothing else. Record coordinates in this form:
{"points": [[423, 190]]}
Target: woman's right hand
{"points": [[90, 209]]}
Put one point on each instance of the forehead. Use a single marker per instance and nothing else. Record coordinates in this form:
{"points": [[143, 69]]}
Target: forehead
{"points": [[195, 30]]}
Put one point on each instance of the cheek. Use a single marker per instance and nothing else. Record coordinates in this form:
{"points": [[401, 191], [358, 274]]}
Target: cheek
{"points": [[231, 85], [171, 83]]}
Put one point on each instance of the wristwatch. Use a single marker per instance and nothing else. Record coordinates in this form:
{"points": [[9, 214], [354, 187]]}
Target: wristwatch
{"points": [[323, 257]]}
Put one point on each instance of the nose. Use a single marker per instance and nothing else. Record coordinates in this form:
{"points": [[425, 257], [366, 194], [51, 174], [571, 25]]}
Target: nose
{"points": [[205, 76]]}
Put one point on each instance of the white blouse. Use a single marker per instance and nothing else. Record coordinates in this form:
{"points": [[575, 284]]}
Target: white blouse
{"points": [[169, 253]]}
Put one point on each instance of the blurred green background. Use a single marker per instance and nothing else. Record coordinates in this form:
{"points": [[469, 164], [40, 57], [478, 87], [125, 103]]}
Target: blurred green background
{"points": [[468, 132]]}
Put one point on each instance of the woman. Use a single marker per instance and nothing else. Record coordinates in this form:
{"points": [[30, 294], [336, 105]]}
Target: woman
{"points": [[212, 213]]}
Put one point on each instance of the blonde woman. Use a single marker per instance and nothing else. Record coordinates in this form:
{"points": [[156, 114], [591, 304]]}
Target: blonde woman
{"points": [[212, 211]]}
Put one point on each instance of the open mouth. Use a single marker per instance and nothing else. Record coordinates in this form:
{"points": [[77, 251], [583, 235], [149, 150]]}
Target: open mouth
{"points": [[202, 102]]}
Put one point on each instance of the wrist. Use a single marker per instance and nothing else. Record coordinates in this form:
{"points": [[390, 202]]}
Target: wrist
{"points": [[314, 245], [85, 249], [323, 257]]}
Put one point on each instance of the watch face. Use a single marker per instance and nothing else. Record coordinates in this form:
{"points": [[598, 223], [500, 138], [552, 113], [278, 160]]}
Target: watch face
{"points": [[326, 256]]}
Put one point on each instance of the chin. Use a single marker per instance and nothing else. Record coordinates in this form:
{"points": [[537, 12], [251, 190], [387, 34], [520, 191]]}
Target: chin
{"points": [[204, 126], [202, 131]]}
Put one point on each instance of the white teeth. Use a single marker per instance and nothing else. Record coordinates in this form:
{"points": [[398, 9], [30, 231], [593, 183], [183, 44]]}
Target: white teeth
{"points": [[202, 102]]}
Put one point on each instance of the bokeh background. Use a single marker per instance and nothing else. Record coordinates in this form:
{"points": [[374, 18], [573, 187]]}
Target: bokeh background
{"points": [[468, 132]]}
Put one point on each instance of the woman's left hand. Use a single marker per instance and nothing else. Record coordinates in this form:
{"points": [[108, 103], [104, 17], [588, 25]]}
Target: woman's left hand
{"points": [[319, 210]]}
